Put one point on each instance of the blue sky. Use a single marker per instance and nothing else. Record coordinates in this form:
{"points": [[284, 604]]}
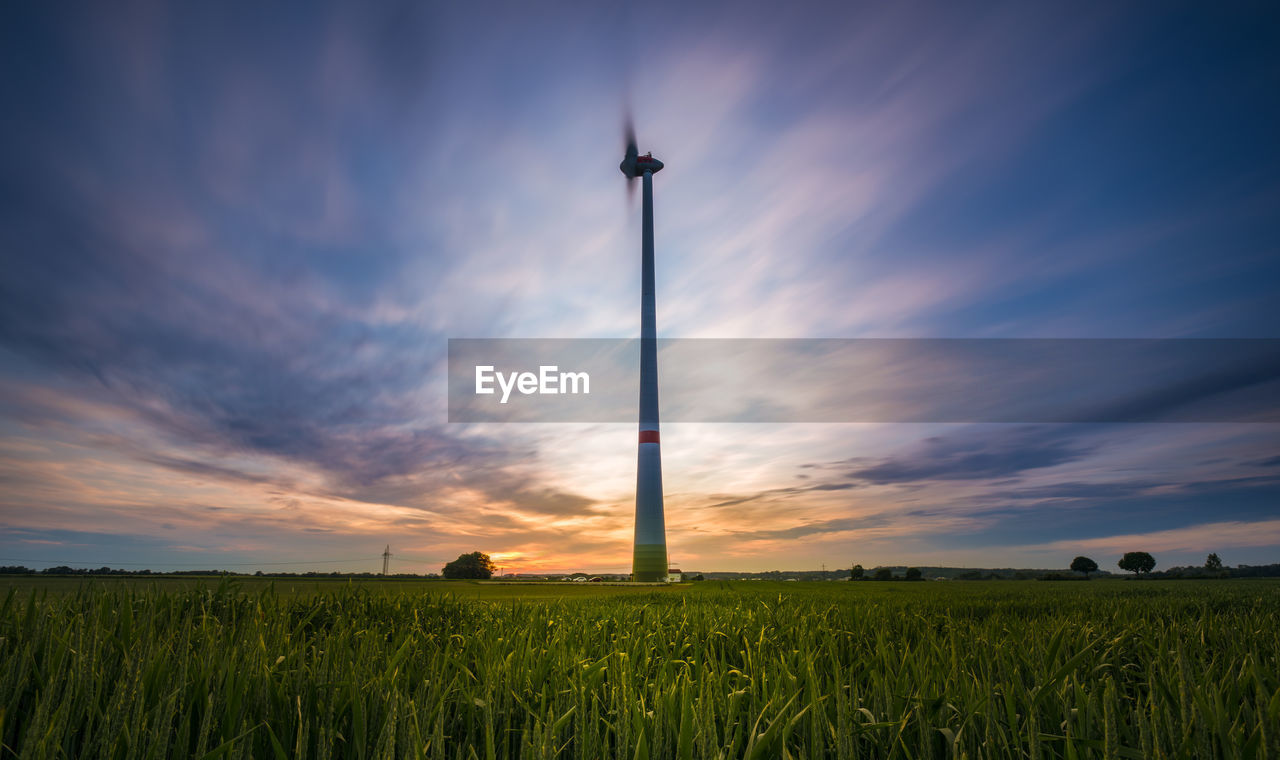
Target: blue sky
{"points": [[236, 239]]}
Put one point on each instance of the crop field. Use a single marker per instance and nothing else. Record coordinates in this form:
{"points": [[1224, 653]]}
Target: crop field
{"points": [[1107, 669]]}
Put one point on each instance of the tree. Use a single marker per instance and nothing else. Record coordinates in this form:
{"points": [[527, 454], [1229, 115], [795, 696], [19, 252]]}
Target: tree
{"points": [[857, 573], [1137, 562], [913, 573], [1084, 565], [473, 565], [1213, 562], [884, 574]]}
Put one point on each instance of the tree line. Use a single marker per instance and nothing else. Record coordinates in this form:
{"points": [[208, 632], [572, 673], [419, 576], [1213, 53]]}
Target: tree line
{"points": [[1141, 564]]}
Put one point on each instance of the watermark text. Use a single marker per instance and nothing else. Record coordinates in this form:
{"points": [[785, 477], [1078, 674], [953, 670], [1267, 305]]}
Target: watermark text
{"points": [[548, 380]]}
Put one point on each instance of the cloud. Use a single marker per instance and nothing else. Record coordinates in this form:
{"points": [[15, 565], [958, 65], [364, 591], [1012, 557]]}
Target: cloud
{"points": [[991, 454], [1081, 490], [1105, 491], [1212, 384], [1209, 536], [726, 500]]}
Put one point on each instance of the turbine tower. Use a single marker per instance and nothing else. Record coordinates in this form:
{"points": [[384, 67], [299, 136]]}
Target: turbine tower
{"points": [[649, 557]]}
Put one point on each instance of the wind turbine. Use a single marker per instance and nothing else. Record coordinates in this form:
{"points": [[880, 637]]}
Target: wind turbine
{"points": [[649, 557]]}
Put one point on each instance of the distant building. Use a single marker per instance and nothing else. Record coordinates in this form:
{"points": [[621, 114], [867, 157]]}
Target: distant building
{"points": [[674, 575]]}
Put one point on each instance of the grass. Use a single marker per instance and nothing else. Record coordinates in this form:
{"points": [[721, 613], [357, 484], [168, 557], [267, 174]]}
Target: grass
{"points": [[311, 587], [139, 669]]}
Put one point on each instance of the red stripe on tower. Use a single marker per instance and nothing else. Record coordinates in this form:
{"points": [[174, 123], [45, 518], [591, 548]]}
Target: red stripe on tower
{"points": [[648, 436]]}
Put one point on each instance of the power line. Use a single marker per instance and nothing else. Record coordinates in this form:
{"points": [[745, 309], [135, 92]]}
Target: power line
{"points": [[96, 563], [400, 558], [182, 564]]}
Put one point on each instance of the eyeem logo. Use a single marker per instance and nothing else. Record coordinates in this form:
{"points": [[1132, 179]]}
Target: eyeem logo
{"points": [[549, 380]]}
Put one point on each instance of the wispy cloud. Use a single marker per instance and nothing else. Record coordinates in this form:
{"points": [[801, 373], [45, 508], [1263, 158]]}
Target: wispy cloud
{"points": [[994, 455], [1203, 537]]}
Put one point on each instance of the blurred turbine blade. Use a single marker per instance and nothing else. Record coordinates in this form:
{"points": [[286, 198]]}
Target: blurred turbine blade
{"points": [[632, 152], [629, 131]]}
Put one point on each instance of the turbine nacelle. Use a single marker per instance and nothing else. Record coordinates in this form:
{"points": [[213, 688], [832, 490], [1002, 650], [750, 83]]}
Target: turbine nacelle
{"points": [[635, 166]]}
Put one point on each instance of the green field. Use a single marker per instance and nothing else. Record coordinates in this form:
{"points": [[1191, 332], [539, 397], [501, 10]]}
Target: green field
{"points": [[129, 668]]}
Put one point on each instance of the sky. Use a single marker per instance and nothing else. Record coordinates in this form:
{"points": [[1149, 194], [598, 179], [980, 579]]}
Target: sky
{"points": [[235, 239]]}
